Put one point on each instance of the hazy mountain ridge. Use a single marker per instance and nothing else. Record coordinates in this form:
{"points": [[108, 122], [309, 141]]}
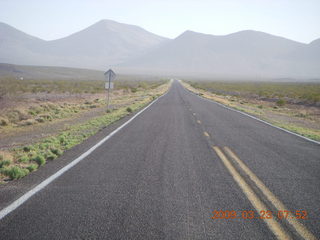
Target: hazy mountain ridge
{"points": [[98, 46], [49, 73], [245, 54], [132, 49]]}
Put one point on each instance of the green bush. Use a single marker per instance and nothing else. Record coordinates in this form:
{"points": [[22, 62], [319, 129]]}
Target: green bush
{"points": [[50, 156], [46, 117], [27, 148], [4, 163], [40, 160], [56, 151], [24, 159], [129, 109], [3, 122], [32, 167], [15, 172], [62, 139], [281, 102]]}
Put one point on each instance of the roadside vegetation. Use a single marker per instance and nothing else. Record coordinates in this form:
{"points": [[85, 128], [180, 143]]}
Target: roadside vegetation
{"points": [[29, 108], [292, 106], [47, 107], [291, 92], [12, 86]]}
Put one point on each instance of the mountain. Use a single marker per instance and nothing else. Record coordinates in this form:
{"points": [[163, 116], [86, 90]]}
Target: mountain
{"points": [[104, 43], [242, 54], [131, 49], [18, 47], [98, 46], [49, 73], [309, 52]]}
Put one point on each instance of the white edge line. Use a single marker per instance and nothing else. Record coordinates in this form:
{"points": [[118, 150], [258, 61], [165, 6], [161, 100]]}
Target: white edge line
{"points": [[14, 205], [248, 115]]}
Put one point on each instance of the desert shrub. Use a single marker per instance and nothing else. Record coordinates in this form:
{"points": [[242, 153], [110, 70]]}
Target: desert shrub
{"points": [[56, 151], [129, 109], [27, 148], [27, 122], [46, 116], [301, 115], [40, 160], [23, 116], [50, 156], [32, 167], [281, 102], [260, 106], [24, 158], [3, 122], [15, 172], [13, 116], [4, 163], [40, 120], [62, 139], [143, 85]]}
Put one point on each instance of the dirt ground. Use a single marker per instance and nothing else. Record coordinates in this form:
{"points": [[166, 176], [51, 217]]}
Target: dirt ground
{"points": [[13, 136], [302, 119]]}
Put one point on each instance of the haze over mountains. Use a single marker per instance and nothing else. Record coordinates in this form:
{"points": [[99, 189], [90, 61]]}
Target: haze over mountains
{"points": [[102, 44], [132, 49]]}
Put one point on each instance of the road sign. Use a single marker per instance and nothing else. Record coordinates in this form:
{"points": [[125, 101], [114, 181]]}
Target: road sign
{"points": [[109, 85], [110, 76]]}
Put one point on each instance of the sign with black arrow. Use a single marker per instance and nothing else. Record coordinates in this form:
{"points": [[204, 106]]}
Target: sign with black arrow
{"points": [[110, 76]]}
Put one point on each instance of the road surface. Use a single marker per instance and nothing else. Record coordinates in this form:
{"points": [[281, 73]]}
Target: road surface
{"points": [[165, 174]]}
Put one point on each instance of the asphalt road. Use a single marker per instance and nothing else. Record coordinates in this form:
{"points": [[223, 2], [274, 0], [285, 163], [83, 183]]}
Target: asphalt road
{"points": [[164, 174]]}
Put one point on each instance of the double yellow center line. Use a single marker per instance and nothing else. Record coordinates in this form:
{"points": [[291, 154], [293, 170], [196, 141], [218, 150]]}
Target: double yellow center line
{"points": [[274, 226], [232, 162]]}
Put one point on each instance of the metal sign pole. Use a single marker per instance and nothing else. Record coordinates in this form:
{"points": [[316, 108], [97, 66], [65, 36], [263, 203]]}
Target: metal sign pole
{"points": [[110, 76], [108, 97]]}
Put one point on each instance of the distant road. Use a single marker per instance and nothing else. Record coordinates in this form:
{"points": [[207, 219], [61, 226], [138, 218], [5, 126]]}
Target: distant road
{"points": [[164, 174]]}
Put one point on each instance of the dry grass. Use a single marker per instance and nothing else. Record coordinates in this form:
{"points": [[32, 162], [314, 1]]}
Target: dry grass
{"points": [[298, 115], [26, 118], [292, 92]]}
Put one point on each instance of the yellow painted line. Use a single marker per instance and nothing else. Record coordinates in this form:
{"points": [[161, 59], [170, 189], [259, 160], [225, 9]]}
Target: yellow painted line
{"points": [[300, 228], [198, 121], [206, 134], [273, 225]]}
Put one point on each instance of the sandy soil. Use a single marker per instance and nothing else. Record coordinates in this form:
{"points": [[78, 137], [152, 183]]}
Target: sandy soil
{"points": [[19, 136], [294, 115]]}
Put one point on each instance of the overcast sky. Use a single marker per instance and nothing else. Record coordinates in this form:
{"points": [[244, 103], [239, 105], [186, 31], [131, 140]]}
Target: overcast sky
{"points": [[51, 19]]}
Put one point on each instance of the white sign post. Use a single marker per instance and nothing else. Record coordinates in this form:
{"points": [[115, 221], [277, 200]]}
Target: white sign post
{"points": [[110, 76]]}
